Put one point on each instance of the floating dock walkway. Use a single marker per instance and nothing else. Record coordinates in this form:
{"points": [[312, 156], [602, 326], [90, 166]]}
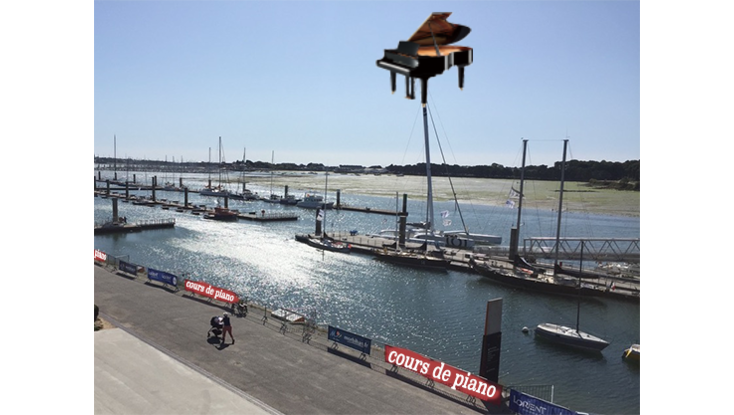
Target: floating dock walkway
{"points": [[626, 289], [118, 227], [261, 216]]}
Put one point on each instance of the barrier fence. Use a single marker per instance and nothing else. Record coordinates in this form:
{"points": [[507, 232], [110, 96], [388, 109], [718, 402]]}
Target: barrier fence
{"points": [[358, 348]]}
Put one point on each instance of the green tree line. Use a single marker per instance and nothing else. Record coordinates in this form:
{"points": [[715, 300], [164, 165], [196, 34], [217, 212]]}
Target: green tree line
{"points": [[576, 170]]}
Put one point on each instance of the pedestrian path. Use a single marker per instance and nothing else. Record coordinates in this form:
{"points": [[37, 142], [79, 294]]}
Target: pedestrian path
{"points": [[132, 377]]}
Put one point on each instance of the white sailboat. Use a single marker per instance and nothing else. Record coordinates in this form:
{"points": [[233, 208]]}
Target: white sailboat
{"points": [[273, 198], [218, 190], [557, 333], [246, 193]]}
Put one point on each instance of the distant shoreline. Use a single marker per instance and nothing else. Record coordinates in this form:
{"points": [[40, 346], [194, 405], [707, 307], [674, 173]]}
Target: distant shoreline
{"points": [[579, 197]]}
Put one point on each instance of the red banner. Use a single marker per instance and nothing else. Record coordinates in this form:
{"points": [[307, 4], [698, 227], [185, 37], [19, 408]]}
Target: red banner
{"points": [[440, 372], [99, 255], [211, 291]]}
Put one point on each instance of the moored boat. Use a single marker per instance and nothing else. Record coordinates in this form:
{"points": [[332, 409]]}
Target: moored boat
{"points": [[532, 280], [570, 337], [313, 201], [273, 198], [429, 260], [325, 243], [222, 214], [632, 353], [289, 200]]}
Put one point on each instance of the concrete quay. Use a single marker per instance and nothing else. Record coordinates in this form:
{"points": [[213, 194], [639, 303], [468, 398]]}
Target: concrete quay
{"points": [[271, 368]]}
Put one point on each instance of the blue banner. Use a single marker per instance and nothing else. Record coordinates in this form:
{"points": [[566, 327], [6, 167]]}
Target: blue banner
{"points": [[161, 276], [128, 267], [523, 404], [352, 340]]}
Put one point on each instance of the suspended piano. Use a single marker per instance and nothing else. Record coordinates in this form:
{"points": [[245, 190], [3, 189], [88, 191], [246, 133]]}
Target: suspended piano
{"points": [[428, 53]]}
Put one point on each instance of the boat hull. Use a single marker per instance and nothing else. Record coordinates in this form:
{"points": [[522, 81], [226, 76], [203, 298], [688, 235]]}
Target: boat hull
{"points": [[570, 337], [325, 244], [632, 353], [530, 283], [413, 260], [315, 205]]}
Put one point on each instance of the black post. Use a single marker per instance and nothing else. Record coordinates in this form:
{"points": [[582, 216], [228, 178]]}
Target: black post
{"points": [[154, 182], [403, 219], [115, 216], [489, 367], [318, 222]]}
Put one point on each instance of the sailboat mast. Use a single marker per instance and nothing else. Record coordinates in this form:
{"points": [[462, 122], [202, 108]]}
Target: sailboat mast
{"points": [[323, 205], [515, 232], [522, 182], [429, 210], [578, 305], [244, 168], [219, 165], [272, 165], [560, 205]]}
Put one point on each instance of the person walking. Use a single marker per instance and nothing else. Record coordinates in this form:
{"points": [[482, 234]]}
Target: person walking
{"points": [[227, 327]]}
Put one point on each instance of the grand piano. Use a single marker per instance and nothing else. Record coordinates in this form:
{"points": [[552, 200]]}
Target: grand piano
{"points": [[428, 53]]}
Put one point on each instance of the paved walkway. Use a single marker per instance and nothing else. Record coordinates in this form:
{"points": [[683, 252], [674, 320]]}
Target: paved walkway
{"points": [[132, 377], [265, 371]]}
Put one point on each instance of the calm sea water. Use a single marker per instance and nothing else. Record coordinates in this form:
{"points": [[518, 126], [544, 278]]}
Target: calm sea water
{"points": [[440, 315]]}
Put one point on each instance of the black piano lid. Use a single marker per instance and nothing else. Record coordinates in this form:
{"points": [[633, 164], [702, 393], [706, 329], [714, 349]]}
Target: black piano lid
{"points": [[444, 33]]}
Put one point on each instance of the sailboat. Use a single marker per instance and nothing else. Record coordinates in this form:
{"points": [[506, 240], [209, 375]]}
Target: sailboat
{"points": [[246, 193], [321, 240], [516, 271], [218, 190], [562, 334], [273, 198]]}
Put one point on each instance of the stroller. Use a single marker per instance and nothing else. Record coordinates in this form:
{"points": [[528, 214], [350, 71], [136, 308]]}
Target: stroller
{"points": [[217, 323]]}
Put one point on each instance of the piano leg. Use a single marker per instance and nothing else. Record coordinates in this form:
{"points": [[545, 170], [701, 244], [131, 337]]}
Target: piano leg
{"points": [[409, 87], [461, 78], [392, 81], [424, 91]]}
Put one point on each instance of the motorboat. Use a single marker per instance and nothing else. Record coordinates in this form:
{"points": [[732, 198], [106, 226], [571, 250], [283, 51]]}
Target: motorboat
{"points": [[273, 198], [325, 243], [314, 201], [222, 214], [289, 200], [570, 337]]}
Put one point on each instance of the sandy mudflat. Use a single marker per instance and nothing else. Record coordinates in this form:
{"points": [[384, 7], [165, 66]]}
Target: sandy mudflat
{"points": [[538, 194]]}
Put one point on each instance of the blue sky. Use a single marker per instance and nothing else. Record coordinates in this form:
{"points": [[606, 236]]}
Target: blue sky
{"points": [[299, 79]]}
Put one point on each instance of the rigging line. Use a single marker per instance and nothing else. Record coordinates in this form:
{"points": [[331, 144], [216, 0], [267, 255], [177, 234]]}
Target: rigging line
{"points": [[438, 115], [456, 202], [451, 150], [415, 121]]}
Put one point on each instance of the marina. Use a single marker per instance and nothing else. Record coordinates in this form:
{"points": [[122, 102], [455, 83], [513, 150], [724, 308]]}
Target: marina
{"points": [[381, 300]]}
